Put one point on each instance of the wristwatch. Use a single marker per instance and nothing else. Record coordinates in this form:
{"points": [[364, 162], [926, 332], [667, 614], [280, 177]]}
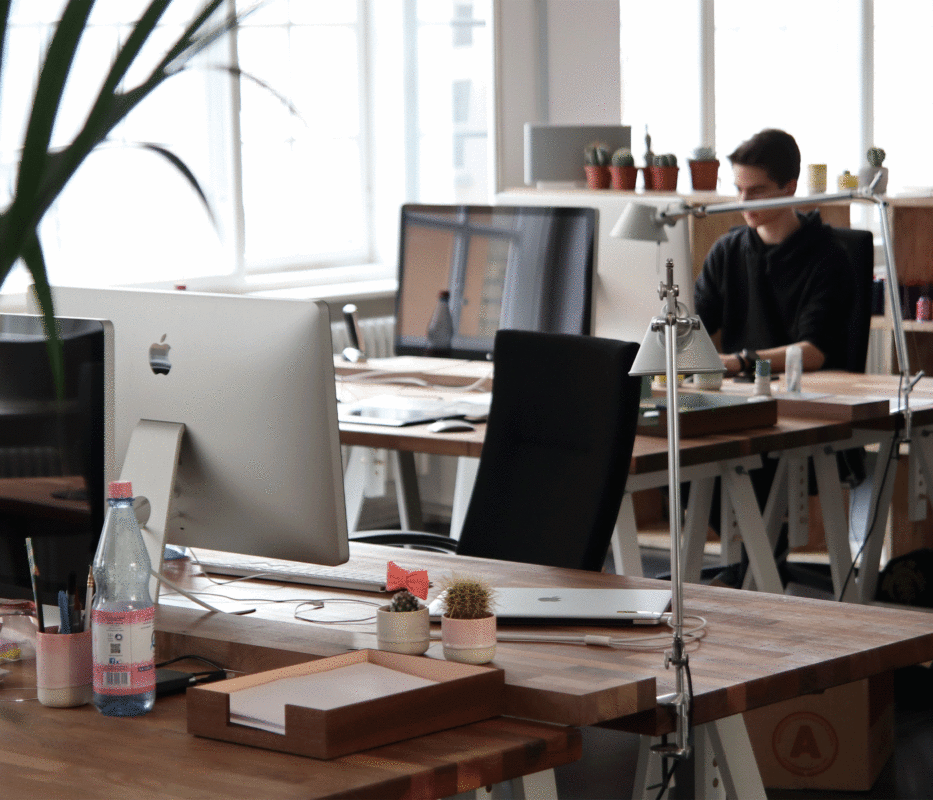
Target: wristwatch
{"points": [[747, 359]]}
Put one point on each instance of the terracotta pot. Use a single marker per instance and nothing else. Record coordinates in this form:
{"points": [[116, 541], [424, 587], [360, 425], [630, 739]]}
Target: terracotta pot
{"points": [[703, 175], [624, 178], [664, 179], [469, 641], [403, 631], [597, 177]]}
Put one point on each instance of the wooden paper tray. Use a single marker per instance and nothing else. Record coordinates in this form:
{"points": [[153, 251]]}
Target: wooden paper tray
{"points": [[460, 694]]}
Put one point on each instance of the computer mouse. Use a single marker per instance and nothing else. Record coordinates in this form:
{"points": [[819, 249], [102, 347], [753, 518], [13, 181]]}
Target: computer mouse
{"points": [[451, 426]]}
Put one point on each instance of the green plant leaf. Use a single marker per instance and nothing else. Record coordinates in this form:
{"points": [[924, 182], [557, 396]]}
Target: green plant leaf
{"points": [[35, 261], [183, 168]]}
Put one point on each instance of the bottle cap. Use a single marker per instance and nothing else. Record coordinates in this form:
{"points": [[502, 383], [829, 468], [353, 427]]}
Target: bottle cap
{"points": [[120, 489]]}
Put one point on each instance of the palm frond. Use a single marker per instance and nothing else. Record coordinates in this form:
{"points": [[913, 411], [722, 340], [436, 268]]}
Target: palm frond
{"points": [[183, 168], [35, 261]]}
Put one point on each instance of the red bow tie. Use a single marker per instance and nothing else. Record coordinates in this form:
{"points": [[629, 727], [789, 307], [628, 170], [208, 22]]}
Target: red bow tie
{"points": [[415, 581]]}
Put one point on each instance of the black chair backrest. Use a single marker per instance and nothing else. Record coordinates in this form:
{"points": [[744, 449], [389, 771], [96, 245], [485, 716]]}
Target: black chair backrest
{"points": [[557, 450], [861, 250]]}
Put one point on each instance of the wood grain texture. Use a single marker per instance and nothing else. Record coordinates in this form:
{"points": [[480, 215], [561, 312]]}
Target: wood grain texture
{"points": [[78, 752], [758, 649]]}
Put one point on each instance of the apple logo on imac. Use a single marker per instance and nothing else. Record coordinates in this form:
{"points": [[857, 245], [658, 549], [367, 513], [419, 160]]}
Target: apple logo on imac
{"points": [[158, 356]]}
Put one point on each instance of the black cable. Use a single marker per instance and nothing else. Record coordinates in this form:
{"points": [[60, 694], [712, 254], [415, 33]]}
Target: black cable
{"points": [[216, 667], [884, 476]]}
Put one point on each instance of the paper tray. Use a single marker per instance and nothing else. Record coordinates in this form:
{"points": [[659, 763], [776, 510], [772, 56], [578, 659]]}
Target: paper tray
{"points": [[461, 694], [704, 413]]}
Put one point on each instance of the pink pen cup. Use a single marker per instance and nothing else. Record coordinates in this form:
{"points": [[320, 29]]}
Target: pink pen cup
{"points": [[63, 668]]}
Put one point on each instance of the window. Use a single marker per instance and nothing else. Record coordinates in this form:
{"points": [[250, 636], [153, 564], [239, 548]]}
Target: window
{"points": [[797, 65], [373, 103]]}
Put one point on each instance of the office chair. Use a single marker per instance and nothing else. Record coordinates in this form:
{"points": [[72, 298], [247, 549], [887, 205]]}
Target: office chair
{"points": [[555, 457], [860, 247]]}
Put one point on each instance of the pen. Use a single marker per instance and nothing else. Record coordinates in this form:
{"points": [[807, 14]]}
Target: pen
{"points": [[88, 598], [34, 574], [64, 617]]}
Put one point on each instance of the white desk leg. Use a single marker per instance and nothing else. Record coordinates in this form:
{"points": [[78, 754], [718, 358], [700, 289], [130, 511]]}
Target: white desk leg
{"points": [[463, 490], [798, 501], [406, 490], [735, 760], [832, 504], [738, 486], [877, 520], [625, 553], [539, 786], [354, 484], [696, 525]]}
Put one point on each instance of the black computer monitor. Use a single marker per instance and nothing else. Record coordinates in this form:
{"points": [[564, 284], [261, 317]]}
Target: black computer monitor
{"points": [[53, 453], [516, 267]]}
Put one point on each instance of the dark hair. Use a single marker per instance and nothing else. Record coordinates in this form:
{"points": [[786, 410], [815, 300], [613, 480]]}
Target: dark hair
{"points": [[774, 151]]}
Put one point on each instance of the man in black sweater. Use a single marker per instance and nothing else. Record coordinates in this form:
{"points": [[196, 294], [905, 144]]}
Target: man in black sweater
{"points": [[782, 279]]}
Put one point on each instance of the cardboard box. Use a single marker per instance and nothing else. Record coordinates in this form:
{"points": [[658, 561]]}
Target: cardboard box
{"points": [[839, 739]]}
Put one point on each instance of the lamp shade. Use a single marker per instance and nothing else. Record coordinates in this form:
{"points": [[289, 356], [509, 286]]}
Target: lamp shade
{"points": [[641, 223], [695, 352]]}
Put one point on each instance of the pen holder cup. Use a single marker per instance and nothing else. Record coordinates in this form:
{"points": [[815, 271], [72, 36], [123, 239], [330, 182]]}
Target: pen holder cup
{"points": [[63, 668]]}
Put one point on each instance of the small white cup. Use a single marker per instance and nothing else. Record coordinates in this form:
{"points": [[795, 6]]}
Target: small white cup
{"points": [[708, 380]]}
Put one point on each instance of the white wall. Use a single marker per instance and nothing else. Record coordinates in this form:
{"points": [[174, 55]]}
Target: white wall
{"points": [[556, 61]]}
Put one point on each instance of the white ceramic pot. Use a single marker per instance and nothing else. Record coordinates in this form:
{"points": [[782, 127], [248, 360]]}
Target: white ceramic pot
{"points": [[867, 174], [469, 641], [406, 632]]}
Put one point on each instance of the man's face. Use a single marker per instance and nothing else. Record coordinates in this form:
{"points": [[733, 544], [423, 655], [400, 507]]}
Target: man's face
{"points": [[753, 183]]}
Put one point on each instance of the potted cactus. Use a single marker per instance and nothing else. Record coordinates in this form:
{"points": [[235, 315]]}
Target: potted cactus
{"points": [[867, 174], [704, 169], [403, 626], [468, 625], [664, 173], [623, 171], [596, 159]]}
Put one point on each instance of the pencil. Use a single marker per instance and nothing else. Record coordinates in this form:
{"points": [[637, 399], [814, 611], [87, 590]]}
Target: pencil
{"points": [[34, 574], [88, 598]]}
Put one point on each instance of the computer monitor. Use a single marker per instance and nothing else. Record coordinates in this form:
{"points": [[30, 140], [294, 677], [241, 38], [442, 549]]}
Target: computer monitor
{"points": [[517, 267], [259, 470], [54, 452]]}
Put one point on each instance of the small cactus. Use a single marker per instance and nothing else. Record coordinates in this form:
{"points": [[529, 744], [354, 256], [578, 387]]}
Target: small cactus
{"points": [[596, 155], [623, 158], [665, 160], [467, 598], [704, 154], [404, 601], [876, 156]]}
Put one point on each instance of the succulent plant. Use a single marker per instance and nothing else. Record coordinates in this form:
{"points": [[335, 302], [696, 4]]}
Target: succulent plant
{"points": [[596, 155], [665, 160], [704, 154], [404, 601], [466, 597], [875, 156], [623, 158]]}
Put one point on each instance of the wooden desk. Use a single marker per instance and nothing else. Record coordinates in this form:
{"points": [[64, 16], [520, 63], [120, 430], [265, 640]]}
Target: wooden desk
{"points": [[77, 752], [759, 648]]}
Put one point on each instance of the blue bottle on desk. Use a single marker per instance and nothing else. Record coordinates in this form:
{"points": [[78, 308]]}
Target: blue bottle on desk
{"points": [[122, 614]]}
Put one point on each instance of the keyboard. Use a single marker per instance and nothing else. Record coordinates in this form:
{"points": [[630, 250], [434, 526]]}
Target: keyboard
{"points": [[289, 571]]}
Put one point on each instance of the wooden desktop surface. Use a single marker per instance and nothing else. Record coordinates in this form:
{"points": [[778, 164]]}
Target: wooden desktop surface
{"points": [[77, 752], [759, 648]]}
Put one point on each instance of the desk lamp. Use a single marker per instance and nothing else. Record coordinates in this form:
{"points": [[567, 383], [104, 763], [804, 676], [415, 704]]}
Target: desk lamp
{"points": [[637, 224], [675, 343]]}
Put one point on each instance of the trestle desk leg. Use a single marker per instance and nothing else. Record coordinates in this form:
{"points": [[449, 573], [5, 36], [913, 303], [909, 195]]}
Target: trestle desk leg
{"points": [[836, 529], [463, 490], [883, 482], [734, 760], [738, 486], [406, 490], [625, 553], [696, 524]]}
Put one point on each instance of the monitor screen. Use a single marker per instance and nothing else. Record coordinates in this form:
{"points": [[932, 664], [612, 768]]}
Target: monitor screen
{"points": [[252, 380], [53, 453], [518, 267]]}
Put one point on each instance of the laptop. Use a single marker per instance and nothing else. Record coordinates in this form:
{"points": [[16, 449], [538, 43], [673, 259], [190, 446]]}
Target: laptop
{"points": [[556, 606], [396, 411]]}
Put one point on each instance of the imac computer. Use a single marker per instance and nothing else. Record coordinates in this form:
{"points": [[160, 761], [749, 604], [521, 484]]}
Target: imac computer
{"points": [[226, 419], [517, 267], [54, 453]]}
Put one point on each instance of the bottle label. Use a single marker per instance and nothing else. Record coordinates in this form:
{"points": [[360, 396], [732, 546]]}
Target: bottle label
{"points": [[124, 650]]}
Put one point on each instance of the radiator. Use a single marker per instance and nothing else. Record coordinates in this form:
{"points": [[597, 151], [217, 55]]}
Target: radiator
{"points": [[378, 336]]}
